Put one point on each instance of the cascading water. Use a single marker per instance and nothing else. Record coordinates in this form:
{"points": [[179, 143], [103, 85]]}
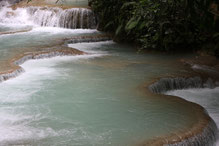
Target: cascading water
{"points": [[39, 111], [208, 98], [74, 18], [167, 84], [15, 17], [56, 17], [189, 89], [4, 3]]}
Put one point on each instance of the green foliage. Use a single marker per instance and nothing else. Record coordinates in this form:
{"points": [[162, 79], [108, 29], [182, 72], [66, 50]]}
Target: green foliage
{"points": [[161, 24]]}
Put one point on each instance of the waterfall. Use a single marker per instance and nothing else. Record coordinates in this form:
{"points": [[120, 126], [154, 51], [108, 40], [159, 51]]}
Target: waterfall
{"points": [[166, 84], [19, 16], [70, 18], [74, 18], [3, 3], [8, 2]]}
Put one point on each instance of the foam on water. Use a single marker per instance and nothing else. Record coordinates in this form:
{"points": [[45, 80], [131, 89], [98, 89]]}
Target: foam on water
{"points": [[48, 31], [14, 127], [49, 114], [14, 97], [13, 27], [15, 113], [25, 121], [92, 47], [3, 4], [15, 17], [57, 30]]}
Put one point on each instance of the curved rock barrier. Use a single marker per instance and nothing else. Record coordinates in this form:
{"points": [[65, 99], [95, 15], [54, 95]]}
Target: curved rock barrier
{"points": [[12, 74], [166, 84], [17, 70], [87, 39], [206, 137], [202, 133]]}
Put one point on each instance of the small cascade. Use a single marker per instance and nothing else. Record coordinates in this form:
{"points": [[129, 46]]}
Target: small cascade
{"points": [[206, 138], [75, 18], [3, 4], [70, 18], [209, 134], [17, 72], [13, 74], [88, 39], [167, 84], [19, 16]]}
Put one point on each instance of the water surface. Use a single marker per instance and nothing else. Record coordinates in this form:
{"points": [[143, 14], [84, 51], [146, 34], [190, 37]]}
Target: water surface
{"points": [[81, 3], [89, 100], [94, 99]]}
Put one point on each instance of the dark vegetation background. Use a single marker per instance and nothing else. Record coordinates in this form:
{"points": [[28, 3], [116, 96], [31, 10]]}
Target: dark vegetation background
{"points": [[164, 25]]}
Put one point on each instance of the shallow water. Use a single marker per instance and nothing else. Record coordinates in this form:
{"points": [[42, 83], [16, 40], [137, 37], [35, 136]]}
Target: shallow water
{"points": [[93, 99], [87, 100], [35, 40], [80, 3], [38, 37]]}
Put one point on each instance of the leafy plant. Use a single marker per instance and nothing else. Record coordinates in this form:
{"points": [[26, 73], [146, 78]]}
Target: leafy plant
{"points": [[158, 24]]}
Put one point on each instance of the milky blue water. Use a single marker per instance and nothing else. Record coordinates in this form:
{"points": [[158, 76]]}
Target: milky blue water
{"points": [[69, 2], [87, 100], [95, 99]]}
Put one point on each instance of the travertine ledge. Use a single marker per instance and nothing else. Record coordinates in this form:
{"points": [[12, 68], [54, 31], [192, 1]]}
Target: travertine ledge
{"points": [[202, 133], [15, 62]]}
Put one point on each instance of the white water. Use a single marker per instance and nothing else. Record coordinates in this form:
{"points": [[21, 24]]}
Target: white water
{"points": [[15, 95], [83, 47], [16, 115], [15, 17], [208, 98], [22, 120], [53, 17], [66, 100], [56, 17]]}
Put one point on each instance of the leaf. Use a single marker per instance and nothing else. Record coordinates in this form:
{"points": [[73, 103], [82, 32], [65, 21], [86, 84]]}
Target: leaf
{"points": [[142, 25], [132, 23], [127, 4], [108, 24], [118, 30], [216, 35]]}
